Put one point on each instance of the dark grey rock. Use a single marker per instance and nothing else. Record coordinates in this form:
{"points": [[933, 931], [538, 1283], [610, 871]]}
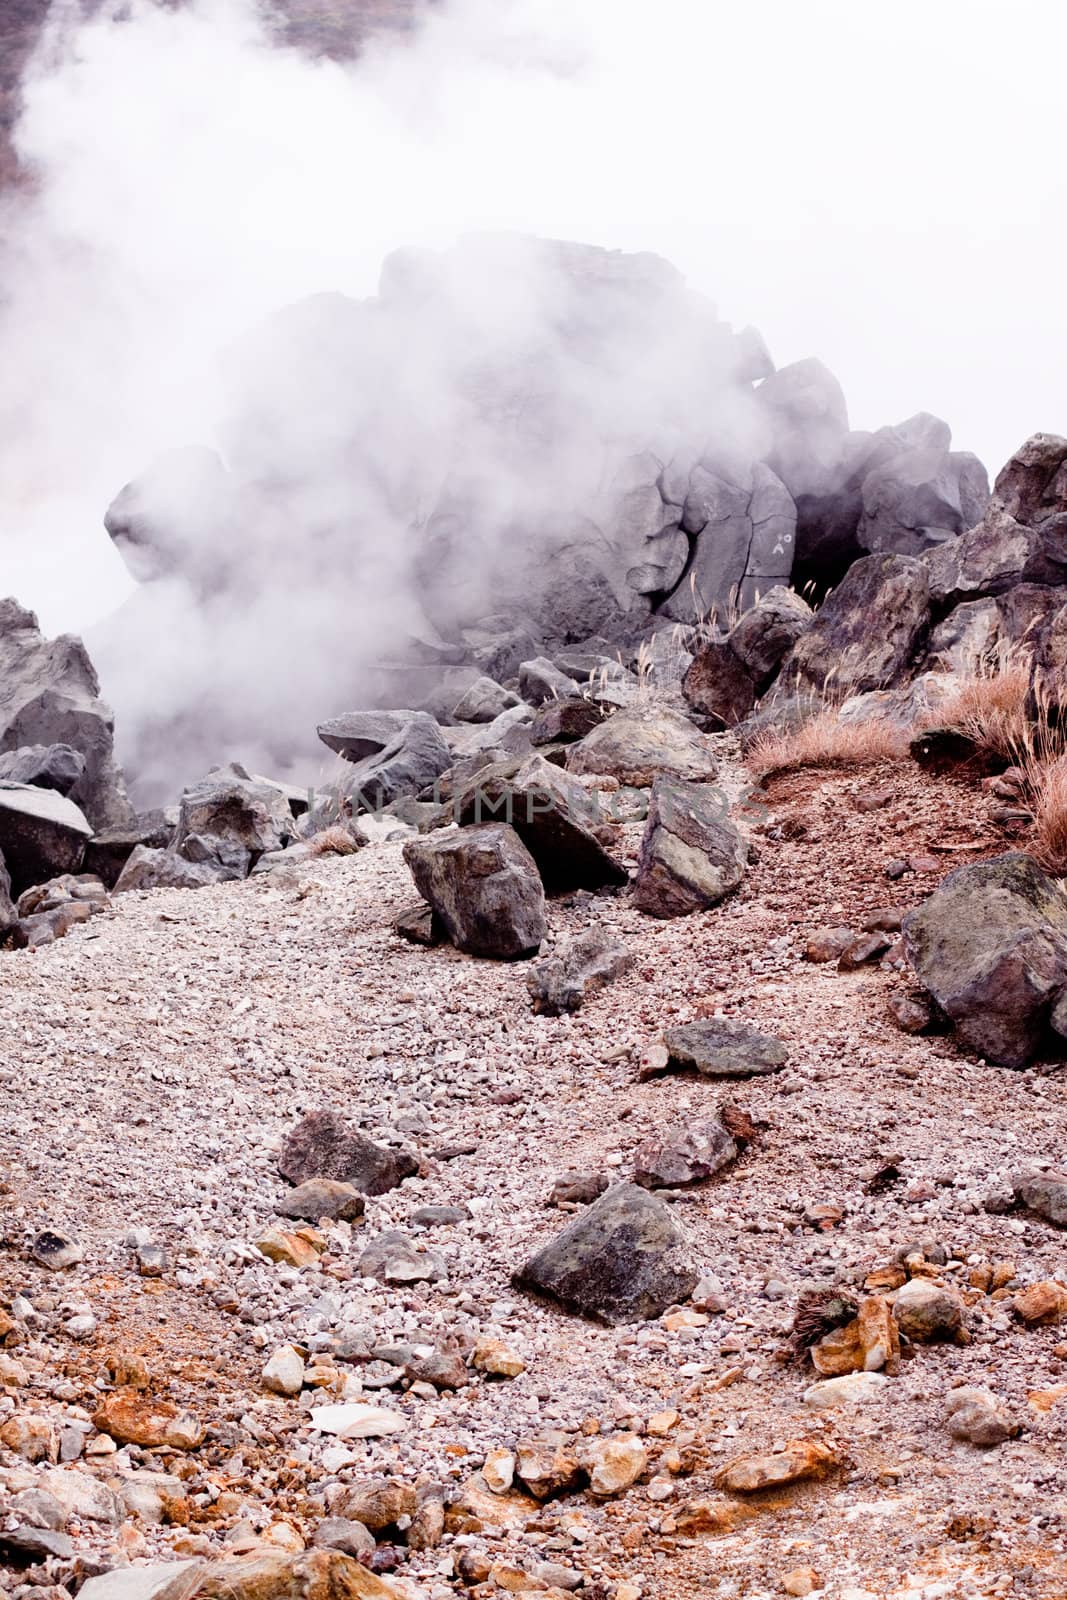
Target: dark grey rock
{"points": [[55, 766], [843, 650], [691, 854], [167, 869], [107, 853], [232, 807], [920, 498], [717, 686], [411, 761], [763, 635], [540, 681], [565, 721], [625, 1259], [323, 1145], [483, 701], [564, 980], [359, 734], [483, 884], [419, 923], [42, 834], [24, 1546], [719, 1047], [1043, 1193], [552, 814], [990, 945]]}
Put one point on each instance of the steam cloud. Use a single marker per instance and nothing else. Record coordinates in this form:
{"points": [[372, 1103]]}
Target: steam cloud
{"points": [[195, 178]]}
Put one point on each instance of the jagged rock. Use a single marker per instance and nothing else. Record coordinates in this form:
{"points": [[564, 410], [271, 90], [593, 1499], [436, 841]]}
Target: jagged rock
{"points": [[540, 681], [978, 1417], [966, 639], [167, 869], [800, 1458], [26, 1545], [913, 706], [8, 911], [61, 891], [376, 1503], [172, 1580], [779, 713], [691, 854], [552, 814], [483, 884], [563, 980], [231, 807], [323, 1145], [1044, 1193], [49, 695], [409, 753], [688, 1155], [805, 407], [637, 744], [625, 1259], [42, 834], [565, 721], [920, 498], [721, 1048], [548, 1467], [55, 766], [322, 1197], [1040, 1305], [615, 1464], [498, 646], [419, 923], [507, 735], [842, 650], [990, 945], [483, 701], [107, 853], [763, 636], [718, 686]]}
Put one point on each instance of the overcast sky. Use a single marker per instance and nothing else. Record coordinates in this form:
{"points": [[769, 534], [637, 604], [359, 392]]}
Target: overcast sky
{"points": [[880, 186]]}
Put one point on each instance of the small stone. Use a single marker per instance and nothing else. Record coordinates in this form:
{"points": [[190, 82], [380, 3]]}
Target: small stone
{"points": [[300, 1249], [684, 1156], [439, 1216], [927, 1311], [720, 1048], [56, 1251], [578, 1188], [856, 1388], [30, 1437], [863, 950], [802, 1458], [801, 1581], [828, 944], [323, 1145], [322, 1198], [499, 1471], [1041, 1304], [911, 1013], [978, 1417], [151, 1260], [615, 1464], [133, 1418], [377, 1503], [284, 1372], [345, 1534], [496, 1360], [547, 1468]]}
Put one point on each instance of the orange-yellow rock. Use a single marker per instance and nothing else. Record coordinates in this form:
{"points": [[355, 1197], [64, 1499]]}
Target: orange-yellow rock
{"points": [[134, 1418], [801, 1458]]}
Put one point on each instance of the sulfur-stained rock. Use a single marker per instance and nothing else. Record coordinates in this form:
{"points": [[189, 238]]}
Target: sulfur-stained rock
{"points": [[547, 1467], [311, 1575], [868, 1343], [1040, 1304], [801, 1458], [615, 1464], [134, 1418]]}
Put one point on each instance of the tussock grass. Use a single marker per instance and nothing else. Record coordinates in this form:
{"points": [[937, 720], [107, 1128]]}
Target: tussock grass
{"points": [[825, 741], [334, 841], [991, 707]]}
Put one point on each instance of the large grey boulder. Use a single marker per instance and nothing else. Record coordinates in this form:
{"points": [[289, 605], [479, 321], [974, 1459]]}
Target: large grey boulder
{"points": [[764, 634], [8, 911], [691, 854], [49, 695], [42, 834], [867, 632], [483, 700], [743, 525], [717, 686], [230, 806], [107, 853], [155, 868], [625, 1259], [396, 755], [553, 815], [920, 498], [990, 945], [483, 885], [639, 742]]}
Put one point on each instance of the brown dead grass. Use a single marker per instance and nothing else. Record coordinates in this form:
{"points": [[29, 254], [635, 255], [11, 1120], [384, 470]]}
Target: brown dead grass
{"points": [[992, 709], [825, 741], [1047, 782], [335, 841]]}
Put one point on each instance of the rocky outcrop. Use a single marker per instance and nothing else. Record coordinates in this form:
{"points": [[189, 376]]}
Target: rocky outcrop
{"points": [[990, 945], [483, 885], [49, 695], [866, 633], [691, 854]]}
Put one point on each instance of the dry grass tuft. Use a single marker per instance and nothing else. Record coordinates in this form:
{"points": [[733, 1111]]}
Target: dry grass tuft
{"points": [[825, 741], [335, 841], [1047, 783], [991, 708]]}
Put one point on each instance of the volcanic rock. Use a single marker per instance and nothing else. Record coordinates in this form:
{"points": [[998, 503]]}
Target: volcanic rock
{"points": [[978, 1417], [483, 884], [55, 766], [841, 647], [990, 944], [564, 980], [691, 854], [1044, 1193], [483, 701], [540, 682], [565, 721], [396, 754], [323, 1145], [42, 834], [927, 1311], [322, 1197], [720, 1047], [553, 815], [637, 744], [685, 1156], [312, 1575], [801, 1458], [625, 1259], [717, 686]]}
